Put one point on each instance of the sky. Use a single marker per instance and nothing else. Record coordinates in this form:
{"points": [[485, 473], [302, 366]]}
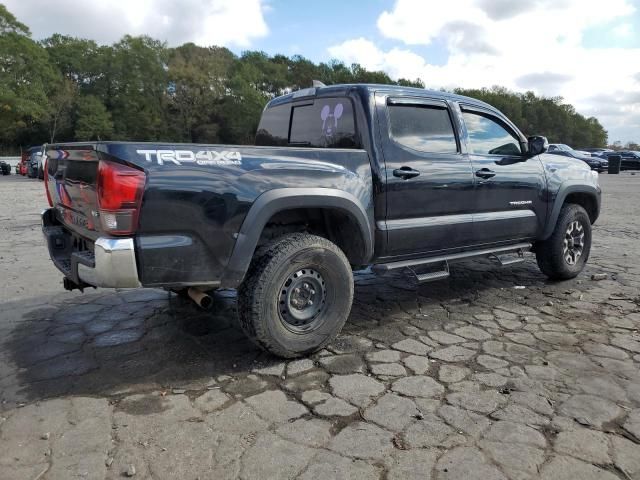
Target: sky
{"points": [[587, 51]]}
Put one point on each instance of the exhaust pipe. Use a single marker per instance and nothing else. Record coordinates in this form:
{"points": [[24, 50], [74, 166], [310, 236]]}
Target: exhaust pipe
{"points": [[203, 300]]}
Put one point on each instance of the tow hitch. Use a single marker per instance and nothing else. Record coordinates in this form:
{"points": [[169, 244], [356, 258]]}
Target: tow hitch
{"points": [[71, 285]]}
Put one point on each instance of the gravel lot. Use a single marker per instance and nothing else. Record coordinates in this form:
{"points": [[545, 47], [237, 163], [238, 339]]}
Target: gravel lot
{"points": [[491, 374]]}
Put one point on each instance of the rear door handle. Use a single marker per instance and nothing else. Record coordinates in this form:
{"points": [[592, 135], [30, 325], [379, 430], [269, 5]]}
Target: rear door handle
{"points": [[485, 173], [405, 173]]}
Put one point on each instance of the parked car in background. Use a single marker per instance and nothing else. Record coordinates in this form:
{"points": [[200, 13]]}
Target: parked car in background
{"points": [[597, 152], [34, 164], [554, 147], [22, 166], [40, 174], [596, 163], [5, 168], [630, 159]]}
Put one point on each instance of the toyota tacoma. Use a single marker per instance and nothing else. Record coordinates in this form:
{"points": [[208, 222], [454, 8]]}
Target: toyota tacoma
{"points": [[341, 178]]}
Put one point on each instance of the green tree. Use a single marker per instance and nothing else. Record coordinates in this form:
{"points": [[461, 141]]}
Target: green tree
{"points": [[241, 109], [78, 60], [26, 75], [10, 24], [268, 75], [197, 82], [551, 117], [302, 72], [60, 105], [417, 83], [93, 121], [136, 92]]}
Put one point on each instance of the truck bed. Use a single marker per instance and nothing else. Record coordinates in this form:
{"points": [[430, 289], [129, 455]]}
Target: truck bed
{"points": [[196, 197]]}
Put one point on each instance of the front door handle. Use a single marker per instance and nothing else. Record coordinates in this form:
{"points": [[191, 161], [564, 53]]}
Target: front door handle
{"points": [[405, 173], [485, 173]]}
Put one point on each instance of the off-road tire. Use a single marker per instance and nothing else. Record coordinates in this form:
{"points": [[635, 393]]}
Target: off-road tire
{"points": [[260, 297], [550, 253]]}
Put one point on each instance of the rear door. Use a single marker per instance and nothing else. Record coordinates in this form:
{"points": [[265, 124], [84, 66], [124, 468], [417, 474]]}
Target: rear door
{"points": [[428, 181], [510, 187]]}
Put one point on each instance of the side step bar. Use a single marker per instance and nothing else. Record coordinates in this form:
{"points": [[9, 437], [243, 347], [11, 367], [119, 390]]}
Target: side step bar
{"points": [[433, 276], [504, 260], [500, 255]]}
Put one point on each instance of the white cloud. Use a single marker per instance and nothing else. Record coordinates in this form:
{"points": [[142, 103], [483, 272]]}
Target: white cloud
{"points": [[204, 22], [417, 22], [505, 26], [534, 45], [623, 31], [396, 62]]}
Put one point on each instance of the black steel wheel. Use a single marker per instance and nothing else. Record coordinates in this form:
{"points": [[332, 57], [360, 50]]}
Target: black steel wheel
{"points": [[302, 300], [296, 296]]}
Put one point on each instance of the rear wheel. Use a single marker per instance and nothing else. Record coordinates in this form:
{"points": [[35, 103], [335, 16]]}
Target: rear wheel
{"points": [[564, 254], [297, 295]]}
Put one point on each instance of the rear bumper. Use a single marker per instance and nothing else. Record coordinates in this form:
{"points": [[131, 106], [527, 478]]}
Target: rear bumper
{"points": [[114, 264], [111, 264]]}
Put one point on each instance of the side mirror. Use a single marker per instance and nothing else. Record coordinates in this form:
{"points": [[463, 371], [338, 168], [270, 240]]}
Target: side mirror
{"points": [[537, 145]]}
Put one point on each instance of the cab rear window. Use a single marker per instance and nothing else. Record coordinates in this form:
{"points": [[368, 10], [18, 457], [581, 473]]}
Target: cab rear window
{"points": [[324, 123]]}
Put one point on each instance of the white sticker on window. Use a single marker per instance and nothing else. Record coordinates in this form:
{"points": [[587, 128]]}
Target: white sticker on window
{"points": [[330, 119]]}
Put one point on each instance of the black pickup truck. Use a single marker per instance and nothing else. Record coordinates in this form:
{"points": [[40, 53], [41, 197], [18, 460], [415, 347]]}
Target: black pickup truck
{"points": [[341, 178]]}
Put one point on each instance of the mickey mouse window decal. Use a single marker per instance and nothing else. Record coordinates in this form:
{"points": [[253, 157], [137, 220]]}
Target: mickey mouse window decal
{"points": [[326, 123], [330, 120]]}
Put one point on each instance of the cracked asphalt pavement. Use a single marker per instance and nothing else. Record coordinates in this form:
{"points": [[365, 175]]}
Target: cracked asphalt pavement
{"points": [[494, 373]]}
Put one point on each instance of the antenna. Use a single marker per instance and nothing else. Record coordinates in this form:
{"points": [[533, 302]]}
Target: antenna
{"points": [[318, 84]]}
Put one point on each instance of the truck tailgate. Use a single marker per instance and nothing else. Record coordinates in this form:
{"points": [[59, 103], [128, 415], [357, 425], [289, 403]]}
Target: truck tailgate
{"points": [[93, 193]]}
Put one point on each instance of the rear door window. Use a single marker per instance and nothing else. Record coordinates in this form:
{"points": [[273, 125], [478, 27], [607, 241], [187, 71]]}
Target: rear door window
{"points": [[326, 123], [424, 128]]}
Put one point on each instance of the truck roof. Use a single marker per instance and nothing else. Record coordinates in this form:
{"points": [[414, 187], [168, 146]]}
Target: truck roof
{"points": [[343, 89]]}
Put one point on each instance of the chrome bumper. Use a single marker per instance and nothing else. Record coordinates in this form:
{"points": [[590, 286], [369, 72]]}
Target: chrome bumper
{"points": [[115, 264], [112, 264]]}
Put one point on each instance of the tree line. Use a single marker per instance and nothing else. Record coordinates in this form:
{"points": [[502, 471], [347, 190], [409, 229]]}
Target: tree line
{"points": [[548, 116], [72, 89]]}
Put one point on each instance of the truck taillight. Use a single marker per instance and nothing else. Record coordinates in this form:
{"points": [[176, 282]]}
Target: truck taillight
{"points": [[46, 181], [120, 191]]}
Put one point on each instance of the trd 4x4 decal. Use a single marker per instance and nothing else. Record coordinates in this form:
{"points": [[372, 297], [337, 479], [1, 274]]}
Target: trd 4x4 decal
{"points": [[202, 157]]}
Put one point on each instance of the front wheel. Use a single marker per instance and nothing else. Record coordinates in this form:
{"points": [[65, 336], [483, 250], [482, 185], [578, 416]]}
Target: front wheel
{"points": [[564, 254], [297, 295]]}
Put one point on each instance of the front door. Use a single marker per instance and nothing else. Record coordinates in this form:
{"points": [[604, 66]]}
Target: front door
{"points": [[510, 203], [428, 181]]}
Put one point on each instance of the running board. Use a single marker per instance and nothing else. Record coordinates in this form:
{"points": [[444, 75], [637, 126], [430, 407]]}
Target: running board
{"points": [[504, 260], [493, 253], [433, 276]]}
